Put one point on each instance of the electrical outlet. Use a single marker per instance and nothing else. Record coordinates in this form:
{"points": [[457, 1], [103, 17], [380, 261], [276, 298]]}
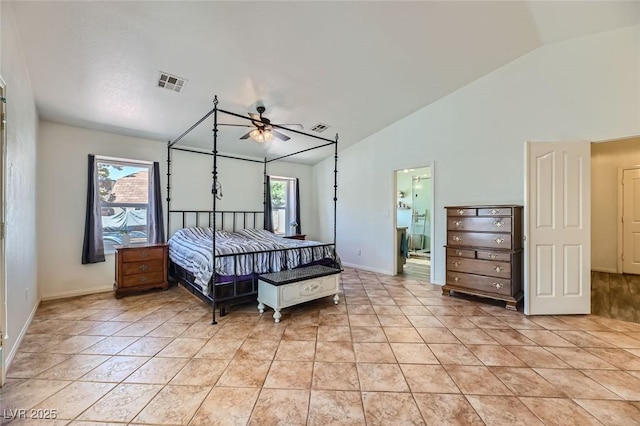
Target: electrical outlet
{"points": [[359, 252]]}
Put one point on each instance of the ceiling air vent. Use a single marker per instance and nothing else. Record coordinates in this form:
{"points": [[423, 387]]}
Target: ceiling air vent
{"points": [[320, 127], [171, 82]]}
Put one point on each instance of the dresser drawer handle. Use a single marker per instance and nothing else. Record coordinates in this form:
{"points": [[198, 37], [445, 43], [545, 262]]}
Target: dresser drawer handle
{"points": [[499, 240], [498, 269], [143, 278], [498, 224], [498, 286], [456, 264], [143, 267], [459, 252], [457, 223], [494, 211], [493, 256], [461, 211], [456, 279], [456, 238], [144, 254]]}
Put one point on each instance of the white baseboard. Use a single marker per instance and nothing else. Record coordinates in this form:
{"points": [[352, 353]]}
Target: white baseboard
{"points": [[21, 335], [367, 268], [72, 293], [604, 269]]}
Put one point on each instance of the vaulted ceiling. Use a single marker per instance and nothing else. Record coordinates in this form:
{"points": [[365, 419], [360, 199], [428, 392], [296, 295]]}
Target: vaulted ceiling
{"points": [[356, 66]]}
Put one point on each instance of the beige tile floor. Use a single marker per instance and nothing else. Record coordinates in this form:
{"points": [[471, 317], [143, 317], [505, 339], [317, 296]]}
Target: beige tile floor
{"points": [[393, 352]]}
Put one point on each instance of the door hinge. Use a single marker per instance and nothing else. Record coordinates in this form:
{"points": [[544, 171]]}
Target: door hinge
{"points": [[622, 219], [622, 257], [3, 123], [2, 231]]}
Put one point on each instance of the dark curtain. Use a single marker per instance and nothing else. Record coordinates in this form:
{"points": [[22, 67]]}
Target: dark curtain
{"points": [[268, 217], [299, 227], [156, 219], [93, 247]]}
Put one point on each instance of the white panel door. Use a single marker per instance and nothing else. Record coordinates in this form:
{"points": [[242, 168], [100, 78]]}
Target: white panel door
{"points": [[631, 221], [558, 226]]}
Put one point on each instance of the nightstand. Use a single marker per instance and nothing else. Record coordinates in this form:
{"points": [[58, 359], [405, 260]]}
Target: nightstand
{"points": [[295, 237], [140, 267]]}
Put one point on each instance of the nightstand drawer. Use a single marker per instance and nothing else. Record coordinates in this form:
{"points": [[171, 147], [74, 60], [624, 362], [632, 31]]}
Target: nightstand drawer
{"points": [[143, 279], [145, 267], [144, 253]]}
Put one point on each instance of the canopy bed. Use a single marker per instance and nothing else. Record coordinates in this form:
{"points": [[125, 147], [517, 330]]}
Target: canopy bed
{"points": [[222, 258]]}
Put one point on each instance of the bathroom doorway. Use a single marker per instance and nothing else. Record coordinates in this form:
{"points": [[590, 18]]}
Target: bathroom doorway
{"points": [[414, 227]]}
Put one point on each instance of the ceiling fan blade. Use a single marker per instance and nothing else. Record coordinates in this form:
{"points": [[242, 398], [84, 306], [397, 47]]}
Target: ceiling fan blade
{"points": [[235, 125], [296, 126], [246, 135], [280, 135]]}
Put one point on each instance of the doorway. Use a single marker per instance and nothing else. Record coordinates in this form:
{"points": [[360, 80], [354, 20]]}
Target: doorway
{"points": [[413, 222], [615, 210], [3, 296]]}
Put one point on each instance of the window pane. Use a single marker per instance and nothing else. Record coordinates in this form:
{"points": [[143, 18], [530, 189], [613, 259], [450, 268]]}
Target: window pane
{"points": [[283, 205], [124, 195]]}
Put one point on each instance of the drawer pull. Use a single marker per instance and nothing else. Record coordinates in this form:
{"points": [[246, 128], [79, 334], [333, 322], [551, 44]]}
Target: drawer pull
{"points": [[494, 211], [499, 240], [459, 252], [461, 211], [493, 256], [144, 254], [311, 287], [498, 224], [498, 286], [498, 269], [143, 267], [456, 238], [457, 223], [456, 279], [456, 264], [143, 278]]}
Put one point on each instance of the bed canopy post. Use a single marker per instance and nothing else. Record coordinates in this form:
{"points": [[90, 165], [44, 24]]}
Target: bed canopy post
{"points": [[335, 191], [264, 191], [214, 198], [168, 189]]}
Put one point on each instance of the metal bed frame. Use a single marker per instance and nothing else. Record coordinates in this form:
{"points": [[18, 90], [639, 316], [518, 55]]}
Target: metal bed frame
{"points": [[178, 272]]}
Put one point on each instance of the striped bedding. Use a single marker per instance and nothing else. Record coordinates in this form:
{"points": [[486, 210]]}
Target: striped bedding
{"points": [[190, 248]]}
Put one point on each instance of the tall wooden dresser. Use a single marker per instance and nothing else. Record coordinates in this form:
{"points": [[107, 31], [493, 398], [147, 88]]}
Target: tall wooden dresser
{"points": [[484, 252]]}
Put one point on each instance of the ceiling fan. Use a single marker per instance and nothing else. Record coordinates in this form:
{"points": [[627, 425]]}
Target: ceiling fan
{"points": [[263, 129]]}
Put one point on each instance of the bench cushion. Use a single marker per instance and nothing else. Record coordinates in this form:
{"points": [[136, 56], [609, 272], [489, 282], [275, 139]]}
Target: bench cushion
{"points": [[298, 274]]}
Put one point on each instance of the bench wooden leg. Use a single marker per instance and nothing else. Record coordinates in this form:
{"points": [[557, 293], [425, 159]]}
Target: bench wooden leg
{"points": [[336, 299], [277, 315], [261, 307]]}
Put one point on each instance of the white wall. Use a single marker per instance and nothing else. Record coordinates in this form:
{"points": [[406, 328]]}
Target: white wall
{"points": [[585, 88], [606, 159], [62, 178], [22, 132]]}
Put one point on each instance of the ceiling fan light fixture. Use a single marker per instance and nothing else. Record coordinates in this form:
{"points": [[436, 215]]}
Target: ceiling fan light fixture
{"points": [[261, 136]]}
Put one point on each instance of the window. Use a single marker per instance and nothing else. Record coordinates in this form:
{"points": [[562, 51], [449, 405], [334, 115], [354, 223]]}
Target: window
{"points": [[283, 205], [124, 189]]}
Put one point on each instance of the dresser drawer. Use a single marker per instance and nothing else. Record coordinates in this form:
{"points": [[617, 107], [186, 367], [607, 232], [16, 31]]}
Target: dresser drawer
{"points": [[478, 282], [480, 267], [142, 267], [480, 239], [146, 253], [143, 279], [496, 211], [487, 224], [493, 255], [461, 211], [471, 254]]}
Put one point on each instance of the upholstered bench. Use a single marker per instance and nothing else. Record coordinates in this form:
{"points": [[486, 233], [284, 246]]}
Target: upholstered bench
{"points": [[283, 289]]}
